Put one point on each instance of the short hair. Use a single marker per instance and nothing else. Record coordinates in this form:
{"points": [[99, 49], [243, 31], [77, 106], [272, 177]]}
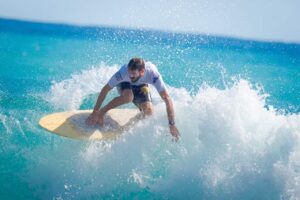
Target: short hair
{"points": [[136, 64]]}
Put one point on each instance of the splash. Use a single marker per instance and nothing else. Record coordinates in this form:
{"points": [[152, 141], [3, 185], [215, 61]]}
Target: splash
{"points": [[233, 145], [68, 94]]}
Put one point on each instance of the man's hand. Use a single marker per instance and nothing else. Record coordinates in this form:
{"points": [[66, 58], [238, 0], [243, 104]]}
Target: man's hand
{"points": [[174, 132], [94, 118]]}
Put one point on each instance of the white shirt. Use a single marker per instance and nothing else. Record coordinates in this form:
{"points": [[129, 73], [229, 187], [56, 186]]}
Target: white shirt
{"points": [[151, 76]]}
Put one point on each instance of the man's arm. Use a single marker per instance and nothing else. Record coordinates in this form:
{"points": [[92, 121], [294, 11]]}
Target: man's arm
{"points": [[170, 112], [94, 117], [101, 97]]}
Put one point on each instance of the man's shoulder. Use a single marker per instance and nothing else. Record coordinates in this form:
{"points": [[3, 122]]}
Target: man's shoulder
{"points": [[123, 69], [153, 74], [151, 67], [149, 64], [121, 73]]}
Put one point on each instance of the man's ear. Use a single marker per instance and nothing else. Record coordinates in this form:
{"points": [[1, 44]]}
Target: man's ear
{"points": [[142, 72]]}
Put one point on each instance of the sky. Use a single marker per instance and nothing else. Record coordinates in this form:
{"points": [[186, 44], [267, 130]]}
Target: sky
{"points": [[267, 20]]}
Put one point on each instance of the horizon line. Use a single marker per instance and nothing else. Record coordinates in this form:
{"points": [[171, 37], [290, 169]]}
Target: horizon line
{"points": [[126, 28]]}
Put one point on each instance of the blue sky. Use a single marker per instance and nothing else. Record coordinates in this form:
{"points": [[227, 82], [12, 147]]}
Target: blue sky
{"points": [[275, 20]]}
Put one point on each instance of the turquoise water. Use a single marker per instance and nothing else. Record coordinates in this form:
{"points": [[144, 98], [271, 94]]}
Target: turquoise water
{"points": [[236, 103]]}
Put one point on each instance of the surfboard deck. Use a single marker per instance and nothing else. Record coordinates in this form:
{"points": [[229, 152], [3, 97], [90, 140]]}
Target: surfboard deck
{"points": [[72, 124]]}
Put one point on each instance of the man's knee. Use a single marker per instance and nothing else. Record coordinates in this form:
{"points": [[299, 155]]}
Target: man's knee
{"points": [[148, 111], [147, 108], [127, 96]]}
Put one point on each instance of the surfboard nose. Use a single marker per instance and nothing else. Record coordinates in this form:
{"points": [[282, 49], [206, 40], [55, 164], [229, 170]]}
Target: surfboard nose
{"points": [[72, 124]]}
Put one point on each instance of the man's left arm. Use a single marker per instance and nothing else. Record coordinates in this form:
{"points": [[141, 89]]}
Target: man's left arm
{"points": [[170, 111]]}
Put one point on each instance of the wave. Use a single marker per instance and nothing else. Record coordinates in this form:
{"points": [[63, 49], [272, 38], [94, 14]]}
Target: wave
{"points": [[69, 94], [232, 145]]}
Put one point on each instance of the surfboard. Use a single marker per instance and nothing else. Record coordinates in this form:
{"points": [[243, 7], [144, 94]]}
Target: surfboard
{"points": [[72, 124]]}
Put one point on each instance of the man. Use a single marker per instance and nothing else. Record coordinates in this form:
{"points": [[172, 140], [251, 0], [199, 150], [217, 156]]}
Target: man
{"points": [[132, 82]]}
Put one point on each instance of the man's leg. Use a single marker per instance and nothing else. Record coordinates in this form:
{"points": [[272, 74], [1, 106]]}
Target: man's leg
{"points": [[142, 99], [125, 97], [146, 108]]}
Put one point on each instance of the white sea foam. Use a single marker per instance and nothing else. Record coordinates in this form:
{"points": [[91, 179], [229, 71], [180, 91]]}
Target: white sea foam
{"points": [[68, 94], [232, 146]]}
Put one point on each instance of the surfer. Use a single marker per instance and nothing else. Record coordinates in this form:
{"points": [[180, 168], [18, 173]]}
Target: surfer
{"points": [[132, 83]]}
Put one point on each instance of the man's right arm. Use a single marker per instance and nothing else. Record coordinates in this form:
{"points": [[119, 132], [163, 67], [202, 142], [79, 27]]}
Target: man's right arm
{"points": [[114, 81], [93, 118], [101, 97]]}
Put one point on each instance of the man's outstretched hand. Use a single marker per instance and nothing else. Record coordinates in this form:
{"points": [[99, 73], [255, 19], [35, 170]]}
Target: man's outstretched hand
{"points": [[174, 132]]}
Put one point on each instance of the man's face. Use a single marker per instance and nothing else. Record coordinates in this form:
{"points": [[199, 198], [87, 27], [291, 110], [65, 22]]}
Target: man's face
{"points": [[135, 75]]}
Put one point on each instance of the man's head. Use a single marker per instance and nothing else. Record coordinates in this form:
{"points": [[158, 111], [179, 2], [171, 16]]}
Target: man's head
{"points": [[136, 69]]}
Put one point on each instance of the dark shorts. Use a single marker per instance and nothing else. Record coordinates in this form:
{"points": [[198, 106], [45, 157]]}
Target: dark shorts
{"points": [[141, 93]]}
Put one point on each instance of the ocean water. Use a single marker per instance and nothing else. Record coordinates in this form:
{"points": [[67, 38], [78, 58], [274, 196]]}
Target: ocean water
{"points": [[236, 104]]}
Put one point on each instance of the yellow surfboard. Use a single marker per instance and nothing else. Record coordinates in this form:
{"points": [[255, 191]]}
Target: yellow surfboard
{"points": [[72, 124]]}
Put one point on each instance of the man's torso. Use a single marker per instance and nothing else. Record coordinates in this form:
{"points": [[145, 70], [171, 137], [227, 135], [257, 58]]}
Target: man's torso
{"points": [[151, 76]]}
